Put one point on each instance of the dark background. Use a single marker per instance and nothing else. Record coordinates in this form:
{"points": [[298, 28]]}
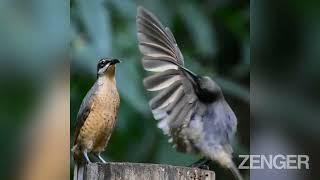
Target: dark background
{"points": [[285, 76]]}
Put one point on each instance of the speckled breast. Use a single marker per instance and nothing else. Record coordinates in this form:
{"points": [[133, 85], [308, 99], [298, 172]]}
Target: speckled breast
{"points": [[98, 127]]}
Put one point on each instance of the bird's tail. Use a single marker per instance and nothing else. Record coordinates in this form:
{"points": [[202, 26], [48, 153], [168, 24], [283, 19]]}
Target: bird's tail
{"points": [[79, 164], [78, 171], [233, 168], [225, 159]]}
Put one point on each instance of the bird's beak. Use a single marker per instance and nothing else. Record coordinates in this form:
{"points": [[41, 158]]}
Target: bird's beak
{"points": [[115, 61]]}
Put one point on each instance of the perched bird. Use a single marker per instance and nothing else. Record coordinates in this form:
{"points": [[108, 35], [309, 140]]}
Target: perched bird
{"points": [[97, 114], [191, 109]]}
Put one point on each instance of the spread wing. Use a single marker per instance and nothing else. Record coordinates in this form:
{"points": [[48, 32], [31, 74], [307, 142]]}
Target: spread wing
{"points": [[192, 124], [84, 111], [176, 99], [157, 43]]}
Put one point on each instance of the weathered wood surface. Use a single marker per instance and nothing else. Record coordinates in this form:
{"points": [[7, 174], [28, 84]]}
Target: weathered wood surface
{"points": [[139, 171]]}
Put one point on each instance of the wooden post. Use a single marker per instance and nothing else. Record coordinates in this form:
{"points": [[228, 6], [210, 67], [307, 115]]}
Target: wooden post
{"points": [[140, 171]]}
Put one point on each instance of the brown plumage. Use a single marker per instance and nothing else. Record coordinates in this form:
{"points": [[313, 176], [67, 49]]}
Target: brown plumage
{"points": [[97, 114]]}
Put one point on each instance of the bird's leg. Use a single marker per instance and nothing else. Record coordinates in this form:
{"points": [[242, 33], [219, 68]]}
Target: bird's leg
{"points": [[203, 163], [85, 153], [98, 155]]}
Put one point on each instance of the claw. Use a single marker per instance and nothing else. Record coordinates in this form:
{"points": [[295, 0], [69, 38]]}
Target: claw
{"points": [[100, 158], [85, 153], [202, 164]]}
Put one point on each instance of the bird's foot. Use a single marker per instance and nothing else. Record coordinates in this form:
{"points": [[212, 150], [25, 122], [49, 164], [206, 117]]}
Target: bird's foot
{"points": [[202, 164], [204, 167], [100, 158], [85, 153]]}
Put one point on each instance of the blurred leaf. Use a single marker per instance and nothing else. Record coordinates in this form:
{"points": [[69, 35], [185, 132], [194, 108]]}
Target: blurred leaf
{"points": [[130, 86], [200, 28]]}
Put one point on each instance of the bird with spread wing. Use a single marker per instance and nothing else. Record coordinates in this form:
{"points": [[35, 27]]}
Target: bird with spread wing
{"points": [[190, 109]]}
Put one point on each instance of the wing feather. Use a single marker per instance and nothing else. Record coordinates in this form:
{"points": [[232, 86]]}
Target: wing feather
{"points": [[161, 80], [84, 111], [153, 33], [153, 49], [176, 99], [148, 33], [165, 97], [154, 25], [157, 65], [191, 123]]}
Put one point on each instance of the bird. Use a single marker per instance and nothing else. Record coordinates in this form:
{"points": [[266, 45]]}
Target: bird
{"points": [[190, 109], [97, 115]]}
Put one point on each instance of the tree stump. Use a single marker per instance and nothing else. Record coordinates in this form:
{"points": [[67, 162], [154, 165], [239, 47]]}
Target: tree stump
{"points": [[140, 171]]}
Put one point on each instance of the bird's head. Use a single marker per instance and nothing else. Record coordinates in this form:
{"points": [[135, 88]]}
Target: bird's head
{"points": [[208, 88], [106, 66]]}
